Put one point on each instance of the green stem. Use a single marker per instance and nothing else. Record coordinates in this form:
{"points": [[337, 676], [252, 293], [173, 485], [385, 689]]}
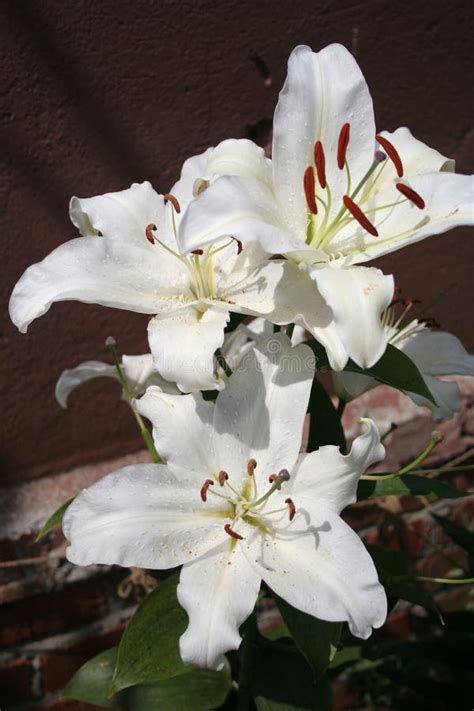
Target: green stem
{"points": [[144, 431], [446, 581], [436, 438], [223, 363], [247, 662]]}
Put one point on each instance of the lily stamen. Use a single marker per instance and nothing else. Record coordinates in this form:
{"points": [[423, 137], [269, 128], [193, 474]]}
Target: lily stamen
{"points": [[320, 163], [392, 153], [149, 229], [291, 508], [411, 195], [232, 533], [251, 466], [222, 477], [342, 144], [309, 189], [174, 201], [358, 215], [204, 488]]}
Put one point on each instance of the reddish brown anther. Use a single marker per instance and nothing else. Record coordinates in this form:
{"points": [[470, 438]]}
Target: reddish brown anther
{"points": [[251, 466], [309, 189], [410, 302], [358, 215], [272, 478], [320, 163], [240, 246], [149, 229], [342, 144], [171, 198], [198, 252], [291, 508], [411, 195], [232, 533], [222, 477], [205, 487], [392, 153]]}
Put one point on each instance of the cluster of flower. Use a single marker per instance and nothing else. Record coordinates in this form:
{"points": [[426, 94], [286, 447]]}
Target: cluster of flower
{"points": [[282, 241]]}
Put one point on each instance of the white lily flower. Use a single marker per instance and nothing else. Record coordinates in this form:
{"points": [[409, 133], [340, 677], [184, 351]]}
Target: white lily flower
{"points": [[236, 504], [339, 195], [138, 371], [435, 353], [127, 258]]}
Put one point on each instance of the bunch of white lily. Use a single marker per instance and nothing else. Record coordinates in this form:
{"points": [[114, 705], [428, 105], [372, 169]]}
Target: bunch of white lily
{"points": [[230, 497]]}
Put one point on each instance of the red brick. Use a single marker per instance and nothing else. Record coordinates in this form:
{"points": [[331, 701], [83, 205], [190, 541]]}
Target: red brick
{"points": [[16, 682], [55, 612], [362, 515], [60, 665], [398, 624], [440, 563]]}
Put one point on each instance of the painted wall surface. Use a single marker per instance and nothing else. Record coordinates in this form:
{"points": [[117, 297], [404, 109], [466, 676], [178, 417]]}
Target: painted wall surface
{"points": [[97, 95]]}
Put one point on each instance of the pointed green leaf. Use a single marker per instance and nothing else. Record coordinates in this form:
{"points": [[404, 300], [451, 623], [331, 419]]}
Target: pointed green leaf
{"points": [[149, 648], [394, 368], [91, 682], [54, 520], [325, 424], [316, 639], [407, 484]]}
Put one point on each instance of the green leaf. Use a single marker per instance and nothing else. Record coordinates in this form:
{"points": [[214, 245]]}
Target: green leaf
{"points": [[398, 583], [394, 368], [407, 484], [282, 677], [345, 656], [91, 682], [54, 520], [149, 648], [200, 690], [316, 639], [325, 424]]}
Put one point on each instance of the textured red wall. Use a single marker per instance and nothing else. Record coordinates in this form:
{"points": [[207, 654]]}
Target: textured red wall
{"points": [[97, 95]]}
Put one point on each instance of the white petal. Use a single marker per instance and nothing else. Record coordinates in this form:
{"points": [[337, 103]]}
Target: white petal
{"points": [[331, 478], [193, 169], [71, 378], [322, 92], [242, 208], [447, 396], [83, 270], [218, 592], [146, 515], [357, 296], [438, 353], [183, 346], [257, 290], [298, 300], [140, 373], [417, 158], [260, 414], [448, 198], [182, 427], [320, 566], [240, 157]]}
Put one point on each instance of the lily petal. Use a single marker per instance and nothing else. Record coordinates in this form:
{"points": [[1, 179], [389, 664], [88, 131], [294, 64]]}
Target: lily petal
{"points": [[320, 566], [242, 208], [183, 346], [260, 414], [446, 394], [357, 296], [331, 478], [218, 592], [83, 270], [322, 92], [181, 425], [438, 353], [146, 515], [240, 157], [448, 201], [70, 379]]}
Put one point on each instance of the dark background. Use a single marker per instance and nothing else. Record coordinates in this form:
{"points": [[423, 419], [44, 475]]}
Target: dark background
{"points": [[100, 94]]}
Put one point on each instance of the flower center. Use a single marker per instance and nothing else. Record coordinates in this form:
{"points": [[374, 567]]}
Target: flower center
{"points": [[321, 229], [200, 263], [400, 325], [248, 504]]}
